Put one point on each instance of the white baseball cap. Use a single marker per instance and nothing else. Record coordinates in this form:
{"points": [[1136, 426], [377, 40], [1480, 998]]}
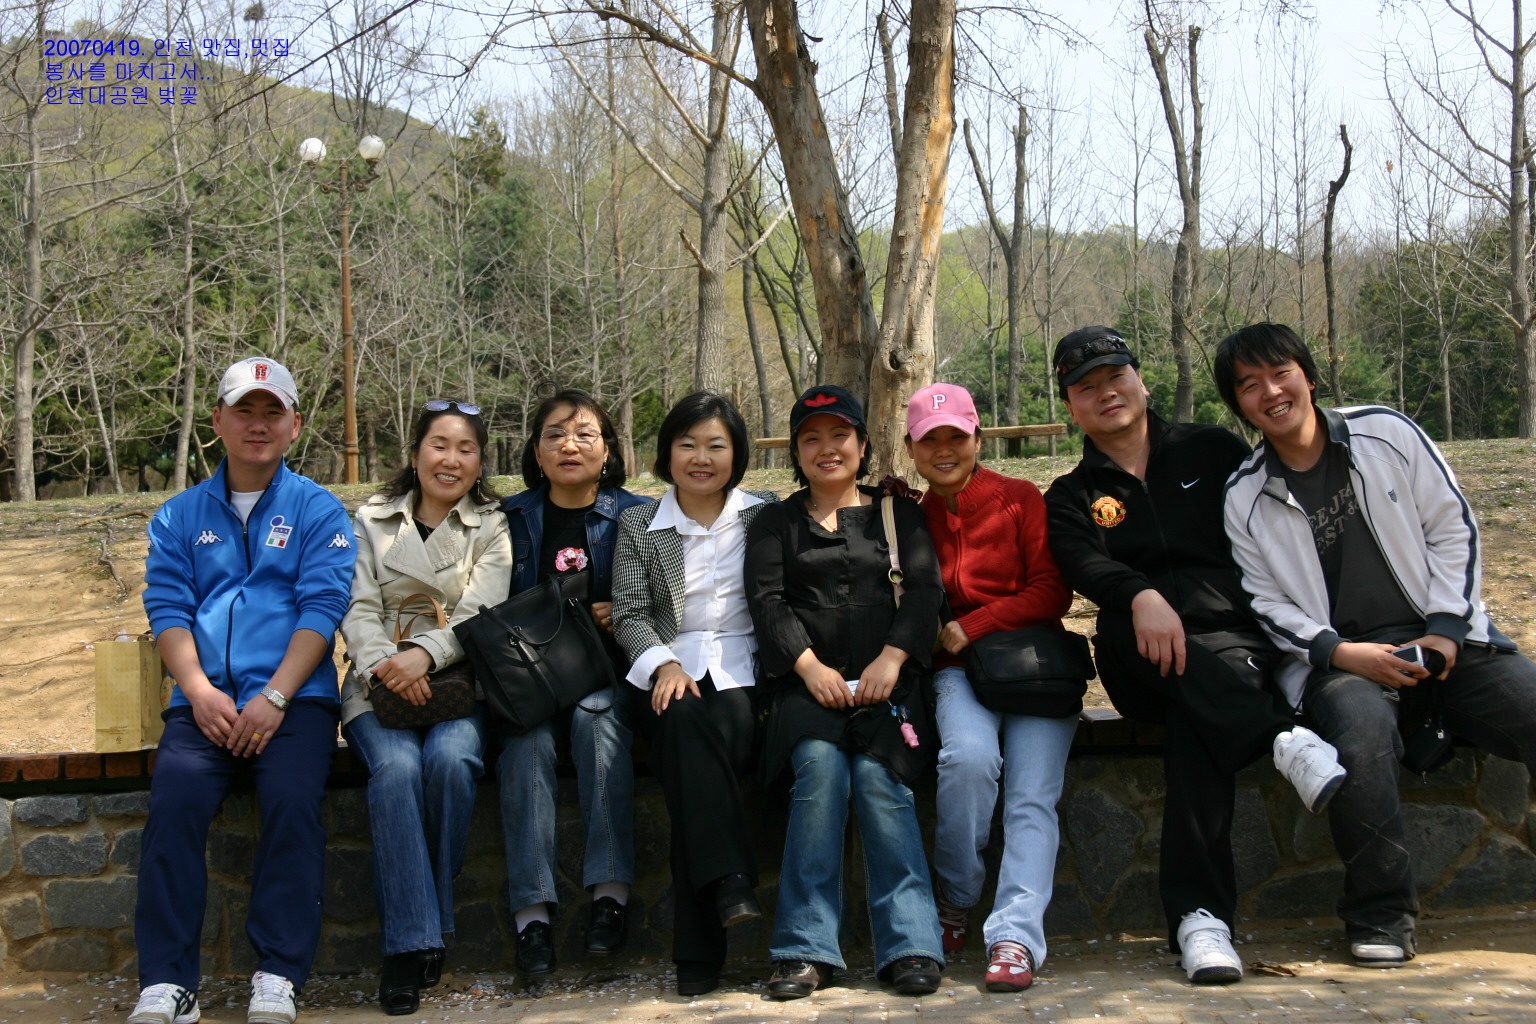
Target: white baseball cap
{"points": [[258, 373]]}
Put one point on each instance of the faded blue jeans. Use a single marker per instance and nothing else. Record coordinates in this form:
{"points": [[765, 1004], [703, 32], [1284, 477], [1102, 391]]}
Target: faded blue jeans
{"points": [[977, 748], [421, 794], [1489, 699], [605, 781], [903, 919]]}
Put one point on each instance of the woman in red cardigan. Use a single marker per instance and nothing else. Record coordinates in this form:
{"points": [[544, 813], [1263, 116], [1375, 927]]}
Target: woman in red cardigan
{"points": [[989, 533]]}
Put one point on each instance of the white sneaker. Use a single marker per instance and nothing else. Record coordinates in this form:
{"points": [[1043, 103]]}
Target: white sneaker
{"points": [[271, 1000], [1378, 953], [1208, 956], [1311, 764], [166, 1004]]}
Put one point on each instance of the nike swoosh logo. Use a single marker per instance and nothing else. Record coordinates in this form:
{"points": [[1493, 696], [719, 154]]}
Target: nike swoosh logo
{"points": [[1190, 484]]}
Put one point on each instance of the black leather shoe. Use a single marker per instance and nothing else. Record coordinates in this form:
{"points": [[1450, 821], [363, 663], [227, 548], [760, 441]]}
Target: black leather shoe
{"points": [[430, 962], [536, 948], [735, 901], [695, 978], [796, 979], [913, 975], [398, 992], [609, 926]]}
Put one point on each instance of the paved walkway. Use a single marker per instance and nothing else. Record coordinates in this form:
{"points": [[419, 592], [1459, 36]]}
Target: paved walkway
{"points": [[1479, 970]]}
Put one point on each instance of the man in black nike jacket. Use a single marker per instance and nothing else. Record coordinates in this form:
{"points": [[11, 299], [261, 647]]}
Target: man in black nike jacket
{"points": [[1137, 528]]}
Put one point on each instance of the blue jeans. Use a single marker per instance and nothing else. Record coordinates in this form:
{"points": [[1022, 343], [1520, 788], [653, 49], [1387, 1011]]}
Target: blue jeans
{"points": [[1489, 698], [971, 760], [902, 915], [605, 780], [421, 794]]}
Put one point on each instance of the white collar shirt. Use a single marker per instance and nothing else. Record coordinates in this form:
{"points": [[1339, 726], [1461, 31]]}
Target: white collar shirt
{"points": [[714, 627]]}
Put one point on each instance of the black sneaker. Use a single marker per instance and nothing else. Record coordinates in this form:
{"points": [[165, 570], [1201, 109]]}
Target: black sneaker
{"points": [[913, 975], [796, 979], [609, 926], [536, 948]]}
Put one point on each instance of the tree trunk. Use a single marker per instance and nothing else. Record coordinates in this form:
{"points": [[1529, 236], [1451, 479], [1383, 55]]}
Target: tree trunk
{"points": [[24, 431], [786, 84], [1334, 188], [1185, 285], [903, 359], [1519, 239], [764, 395]]}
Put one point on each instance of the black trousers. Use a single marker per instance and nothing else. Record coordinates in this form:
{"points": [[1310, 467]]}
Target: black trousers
{"points": [[1218, 717], [699, 748]]}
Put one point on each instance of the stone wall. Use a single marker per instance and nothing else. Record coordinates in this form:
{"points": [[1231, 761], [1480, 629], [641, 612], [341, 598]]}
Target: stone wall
{"points": [[70, 827]]}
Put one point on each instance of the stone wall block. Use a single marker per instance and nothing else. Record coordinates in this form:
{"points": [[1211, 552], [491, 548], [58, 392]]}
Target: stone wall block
{"points": [[97, 903], [125, 849], [7, 843], [1459, 771], [1137, 904], [21, 916], [1069, 913], [239, 808], [50, 811], [478, 940], [348, 884], [121, 805], [64, 855], [1504, 790], [1503, 873], [231, 853], [1253, 844], [1103, 834], [347, 810], [355, 949], [1313, 894], [1437, 835], [1311, 838], [77, 953]]}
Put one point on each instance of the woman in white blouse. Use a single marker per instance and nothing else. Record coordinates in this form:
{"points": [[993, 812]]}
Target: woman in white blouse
{"points": [[680, 611]]}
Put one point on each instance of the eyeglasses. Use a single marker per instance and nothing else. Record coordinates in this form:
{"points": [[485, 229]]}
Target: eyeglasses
{"points": [[444, 404], [1107, 346], [554, 440]]}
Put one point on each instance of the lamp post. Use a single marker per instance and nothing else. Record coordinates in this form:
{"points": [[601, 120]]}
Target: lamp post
{"points": [[312, 151]]}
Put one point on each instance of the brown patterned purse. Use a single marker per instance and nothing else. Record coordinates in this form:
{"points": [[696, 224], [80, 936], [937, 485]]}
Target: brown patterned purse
{"points": [[453, 688]]}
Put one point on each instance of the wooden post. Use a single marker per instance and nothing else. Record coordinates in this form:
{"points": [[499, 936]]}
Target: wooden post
{"points": [[130, 694]]}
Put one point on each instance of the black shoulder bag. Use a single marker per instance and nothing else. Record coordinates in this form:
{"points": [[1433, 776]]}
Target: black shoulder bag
{"points": [[537, 653], [1038, 670]]}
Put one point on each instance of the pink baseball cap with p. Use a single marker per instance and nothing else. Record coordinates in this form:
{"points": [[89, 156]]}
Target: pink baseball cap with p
{"points": [[941, 405]]}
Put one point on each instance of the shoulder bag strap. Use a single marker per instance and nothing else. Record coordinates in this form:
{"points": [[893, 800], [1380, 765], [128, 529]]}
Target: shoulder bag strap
{"points": [[888, 521]]}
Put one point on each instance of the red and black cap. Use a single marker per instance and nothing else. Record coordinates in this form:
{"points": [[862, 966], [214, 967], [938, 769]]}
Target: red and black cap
{"points": [[828, 398]]}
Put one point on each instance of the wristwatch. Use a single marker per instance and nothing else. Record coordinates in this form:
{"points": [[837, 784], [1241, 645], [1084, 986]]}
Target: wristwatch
{"points": [[276, 699]]}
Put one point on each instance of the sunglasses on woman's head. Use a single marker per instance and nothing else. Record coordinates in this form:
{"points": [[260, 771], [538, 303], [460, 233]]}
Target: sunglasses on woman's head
{"points": [[444, 404]]}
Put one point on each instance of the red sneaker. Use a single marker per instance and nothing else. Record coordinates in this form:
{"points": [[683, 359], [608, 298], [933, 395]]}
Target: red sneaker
{"points": [[1010, 968], [954, 922]]}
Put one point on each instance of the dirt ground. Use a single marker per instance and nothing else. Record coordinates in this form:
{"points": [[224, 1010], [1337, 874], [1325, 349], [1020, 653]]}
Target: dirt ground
{"points": [[71, 572]]}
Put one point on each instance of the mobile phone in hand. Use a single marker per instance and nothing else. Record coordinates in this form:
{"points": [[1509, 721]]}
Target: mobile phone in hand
{"points": [[1417, 654]]}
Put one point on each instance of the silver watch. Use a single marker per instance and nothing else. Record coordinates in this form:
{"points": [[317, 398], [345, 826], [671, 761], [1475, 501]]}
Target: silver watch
{"points": [[276, 699]]}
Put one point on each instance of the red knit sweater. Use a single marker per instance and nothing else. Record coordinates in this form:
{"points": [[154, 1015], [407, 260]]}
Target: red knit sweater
{"points": [[996, 564]]}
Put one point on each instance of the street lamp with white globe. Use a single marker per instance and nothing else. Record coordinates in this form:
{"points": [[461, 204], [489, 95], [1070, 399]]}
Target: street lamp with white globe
{"points": [[312, 152]]}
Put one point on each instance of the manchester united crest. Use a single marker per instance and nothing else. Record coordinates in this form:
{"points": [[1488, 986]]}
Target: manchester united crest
{"points": [[1108, 511]]}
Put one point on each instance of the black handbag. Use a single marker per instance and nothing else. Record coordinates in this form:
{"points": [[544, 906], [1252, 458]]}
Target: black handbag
{"points": [[1037, 671], [537, 653], [453, 688]]}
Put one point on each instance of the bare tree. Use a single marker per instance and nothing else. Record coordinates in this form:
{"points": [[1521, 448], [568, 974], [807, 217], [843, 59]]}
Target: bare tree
{"points": [[1334, 188], [1494, 170], [1188, 153]]}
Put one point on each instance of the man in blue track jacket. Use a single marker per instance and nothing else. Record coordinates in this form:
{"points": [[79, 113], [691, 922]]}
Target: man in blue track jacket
{"points": [[247, 578], [1354, 542]]}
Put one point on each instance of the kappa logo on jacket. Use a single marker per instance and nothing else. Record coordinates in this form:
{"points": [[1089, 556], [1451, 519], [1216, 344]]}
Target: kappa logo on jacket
{"points": [[339, 541], [207, 537], [1108, 511]]}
